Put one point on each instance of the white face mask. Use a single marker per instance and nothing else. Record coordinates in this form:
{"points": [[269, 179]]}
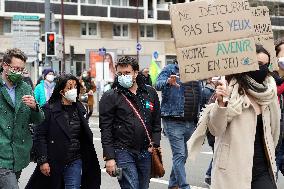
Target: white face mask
{"points": [[50, 78], [71, 95], [85, 75]]}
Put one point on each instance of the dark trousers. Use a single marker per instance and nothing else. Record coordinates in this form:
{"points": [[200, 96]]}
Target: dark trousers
{"points": [[263, 181]]}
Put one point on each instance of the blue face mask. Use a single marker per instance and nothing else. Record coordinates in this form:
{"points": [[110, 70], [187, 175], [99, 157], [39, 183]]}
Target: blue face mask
{"points": [[125, 81]]}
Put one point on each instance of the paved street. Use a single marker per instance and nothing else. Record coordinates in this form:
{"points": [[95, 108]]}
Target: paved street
{"points": [[195, 170]]}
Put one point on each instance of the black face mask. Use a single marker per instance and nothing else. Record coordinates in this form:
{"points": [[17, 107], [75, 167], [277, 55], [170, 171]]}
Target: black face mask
{"points": [[259, 75]]}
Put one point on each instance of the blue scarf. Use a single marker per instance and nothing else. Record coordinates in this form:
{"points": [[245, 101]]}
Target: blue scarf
{"points": [[49, 89]]}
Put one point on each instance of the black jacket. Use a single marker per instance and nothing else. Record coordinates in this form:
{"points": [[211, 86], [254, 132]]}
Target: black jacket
{"points": [[192, 99], [147, 80], [120, 127], [52, 139]]}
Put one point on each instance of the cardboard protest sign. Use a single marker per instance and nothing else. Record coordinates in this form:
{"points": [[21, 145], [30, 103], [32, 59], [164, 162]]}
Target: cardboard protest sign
{"points": [[263, 30], [218, 33], [213, 59]]}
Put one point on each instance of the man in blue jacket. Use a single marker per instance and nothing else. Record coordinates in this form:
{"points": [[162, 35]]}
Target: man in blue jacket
{"points": [[179, 111]]}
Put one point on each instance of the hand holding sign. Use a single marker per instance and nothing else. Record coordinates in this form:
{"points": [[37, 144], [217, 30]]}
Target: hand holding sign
{"points": [[222, 92], [172, 80]]}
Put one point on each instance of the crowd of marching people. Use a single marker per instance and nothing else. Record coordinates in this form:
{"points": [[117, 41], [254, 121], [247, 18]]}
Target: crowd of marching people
{"points": [[241, 115]]}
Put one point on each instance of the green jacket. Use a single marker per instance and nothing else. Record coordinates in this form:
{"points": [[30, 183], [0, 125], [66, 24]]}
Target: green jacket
{"points": [[15, 136]]}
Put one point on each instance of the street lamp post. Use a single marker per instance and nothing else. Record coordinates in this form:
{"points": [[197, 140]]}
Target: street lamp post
{"points": [[63, 37], [47, 24], [137, 28]]}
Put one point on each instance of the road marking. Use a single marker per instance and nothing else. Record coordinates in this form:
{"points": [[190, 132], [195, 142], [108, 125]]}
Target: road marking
{"points": [[97, 139], [160, 181], [207, 153], [95, 129]]}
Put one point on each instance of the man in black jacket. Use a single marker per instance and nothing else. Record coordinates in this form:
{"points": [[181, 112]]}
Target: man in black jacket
{"points": [[124, 139]]}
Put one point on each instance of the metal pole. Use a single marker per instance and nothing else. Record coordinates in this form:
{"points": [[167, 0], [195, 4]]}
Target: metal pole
{"points": [[63, 37], [104, 69], [47, 23], [37, 61], [71, 60], [137, 29]]}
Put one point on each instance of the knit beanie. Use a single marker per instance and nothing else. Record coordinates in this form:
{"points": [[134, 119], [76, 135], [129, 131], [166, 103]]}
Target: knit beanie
{"points": [[46, 71]]}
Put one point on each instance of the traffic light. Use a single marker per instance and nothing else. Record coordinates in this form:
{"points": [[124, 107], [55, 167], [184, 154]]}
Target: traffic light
{"points": [[50, 44]]}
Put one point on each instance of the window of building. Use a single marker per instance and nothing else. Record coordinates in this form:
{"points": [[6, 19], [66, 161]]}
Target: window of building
{"points": [[83, 28], [147, 31], [170, 59], [89, 1], [70, 1], [120, 30], [106, 2], [89, 29], [133, 3], [124, 2], [115, 2], [7, 26], [92, 27]]}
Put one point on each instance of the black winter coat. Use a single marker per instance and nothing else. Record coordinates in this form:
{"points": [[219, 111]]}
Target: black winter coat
{"points": [[52, 139], [120, 127]]}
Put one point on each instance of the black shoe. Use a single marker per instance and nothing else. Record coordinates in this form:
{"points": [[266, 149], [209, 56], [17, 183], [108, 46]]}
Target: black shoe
{"points": [[207, 181]]}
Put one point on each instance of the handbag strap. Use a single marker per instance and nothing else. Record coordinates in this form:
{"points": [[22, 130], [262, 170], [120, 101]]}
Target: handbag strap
{"points": [[139, 116]]}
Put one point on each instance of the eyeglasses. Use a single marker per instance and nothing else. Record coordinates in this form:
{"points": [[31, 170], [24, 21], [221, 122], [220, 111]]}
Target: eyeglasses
{"points": [[17, 69]]}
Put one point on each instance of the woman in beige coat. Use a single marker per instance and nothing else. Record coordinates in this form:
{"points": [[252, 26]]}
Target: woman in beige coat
{"points": [[246, 127]]}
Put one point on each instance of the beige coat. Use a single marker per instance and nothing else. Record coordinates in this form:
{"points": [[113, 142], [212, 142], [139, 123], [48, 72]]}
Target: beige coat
{"points": [[234, 146]]}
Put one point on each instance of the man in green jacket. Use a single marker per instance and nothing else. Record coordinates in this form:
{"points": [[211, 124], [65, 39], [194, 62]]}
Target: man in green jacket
{"points": [[18, 109]]}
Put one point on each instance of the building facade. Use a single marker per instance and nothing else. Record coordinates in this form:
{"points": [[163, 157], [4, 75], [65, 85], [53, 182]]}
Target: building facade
{"points": [[112, 24], [276, 11]]}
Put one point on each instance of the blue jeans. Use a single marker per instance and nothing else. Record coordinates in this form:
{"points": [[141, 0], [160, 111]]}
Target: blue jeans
{"points": [[178, 133], [208, 172], [9, 179], [280, 157], [136, 169], [72, 175]]}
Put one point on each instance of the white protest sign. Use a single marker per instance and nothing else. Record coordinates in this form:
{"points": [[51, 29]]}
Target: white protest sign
{"points": [[213, 38], [263, 30]]}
